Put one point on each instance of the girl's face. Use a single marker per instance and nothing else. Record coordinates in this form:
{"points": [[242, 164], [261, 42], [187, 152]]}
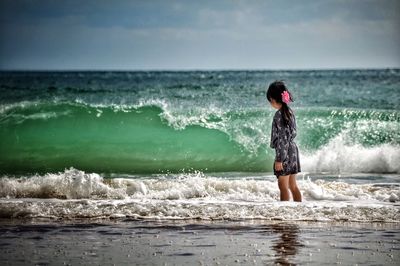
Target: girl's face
{"points": [[275, 104]]}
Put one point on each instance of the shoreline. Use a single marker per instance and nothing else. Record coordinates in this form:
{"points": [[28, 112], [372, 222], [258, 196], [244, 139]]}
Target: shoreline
{"points": [[199, 208], [244, 223], [194, 242]]}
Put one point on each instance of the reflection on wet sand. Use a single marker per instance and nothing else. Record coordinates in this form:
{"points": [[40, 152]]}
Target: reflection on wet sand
{"points": [[287, 244]]}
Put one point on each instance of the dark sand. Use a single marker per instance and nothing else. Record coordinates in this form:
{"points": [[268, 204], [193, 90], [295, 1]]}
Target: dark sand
{"points": [[192, 242]]}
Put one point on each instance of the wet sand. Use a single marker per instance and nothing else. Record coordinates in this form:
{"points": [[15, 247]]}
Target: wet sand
{"points": [[197, 242]]}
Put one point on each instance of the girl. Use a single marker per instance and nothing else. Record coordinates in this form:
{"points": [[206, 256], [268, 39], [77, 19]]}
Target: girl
{"points": [[287, 162]]}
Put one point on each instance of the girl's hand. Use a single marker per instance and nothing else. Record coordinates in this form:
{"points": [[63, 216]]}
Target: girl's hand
{"points": [[278, 166]]}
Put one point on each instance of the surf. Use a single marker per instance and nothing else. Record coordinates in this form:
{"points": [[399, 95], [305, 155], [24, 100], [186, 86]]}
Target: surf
{"points": [[74, 194], [49, 137], [153, 137]]}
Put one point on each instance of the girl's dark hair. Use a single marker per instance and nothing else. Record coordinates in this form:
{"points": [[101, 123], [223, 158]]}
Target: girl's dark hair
{"points": [[274, 91]]}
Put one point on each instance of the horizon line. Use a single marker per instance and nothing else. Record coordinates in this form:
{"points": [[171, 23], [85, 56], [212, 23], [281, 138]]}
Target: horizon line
{"points": [[195, 69]]}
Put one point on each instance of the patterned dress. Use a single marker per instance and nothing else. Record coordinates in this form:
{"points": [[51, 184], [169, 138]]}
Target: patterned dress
{"points": [[282, 140]]}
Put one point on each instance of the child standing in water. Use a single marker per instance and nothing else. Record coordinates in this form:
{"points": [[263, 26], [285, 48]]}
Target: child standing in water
{"points": [[287, 162]]}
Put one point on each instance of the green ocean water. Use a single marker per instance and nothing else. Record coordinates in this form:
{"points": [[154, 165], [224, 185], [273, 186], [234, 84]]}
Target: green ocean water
{"points": [[212, 121]]}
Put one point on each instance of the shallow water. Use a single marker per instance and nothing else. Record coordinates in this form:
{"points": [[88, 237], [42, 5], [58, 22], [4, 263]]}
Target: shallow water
{"points": [[74, 194], [194, 242]]}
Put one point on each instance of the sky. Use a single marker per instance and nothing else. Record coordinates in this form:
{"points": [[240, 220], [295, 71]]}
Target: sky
{"points": [[199, 35]]}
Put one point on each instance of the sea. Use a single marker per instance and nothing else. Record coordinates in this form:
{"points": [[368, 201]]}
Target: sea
{"points": [[176, 145]]}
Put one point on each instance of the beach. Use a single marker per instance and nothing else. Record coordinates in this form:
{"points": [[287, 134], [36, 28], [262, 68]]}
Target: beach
{"points": [[198, 219], [193, 242]]}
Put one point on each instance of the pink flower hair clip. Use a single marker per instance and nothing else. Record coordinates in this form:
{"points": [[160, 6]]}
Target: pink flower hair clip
{"points": [[285, 97]]}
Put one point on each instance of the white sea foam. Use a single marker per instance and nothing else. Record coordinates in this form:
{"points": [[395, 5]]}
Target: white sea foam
{"points": [[74, 194], [76, 184], [199, 209], [70, 184], [340, 157], [6, 107]]}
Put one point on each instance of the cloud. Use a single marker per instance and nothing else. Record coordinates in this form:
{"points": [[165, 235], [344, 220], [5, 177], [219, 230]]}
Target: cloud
{"points": [[193, 34]]}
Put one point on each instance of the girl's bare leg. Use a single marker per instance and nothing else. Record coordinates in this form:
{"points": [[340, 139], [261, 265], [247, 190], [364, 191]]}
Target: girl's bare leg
{"points": [[293, 188], [283, 183]]}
